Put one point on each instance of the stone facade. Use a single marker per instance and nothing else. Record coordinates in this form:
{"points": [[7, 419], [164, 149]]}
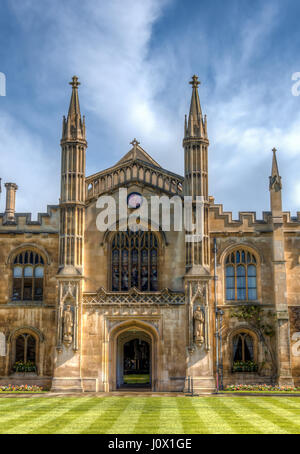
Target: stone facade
{"points": [[191, 316]]}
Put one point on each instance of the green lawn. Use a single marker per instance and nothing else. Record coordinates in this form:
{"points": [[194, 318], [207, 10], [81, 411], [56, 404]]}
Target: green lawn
{"points": [[154, 415], [140, 378]]}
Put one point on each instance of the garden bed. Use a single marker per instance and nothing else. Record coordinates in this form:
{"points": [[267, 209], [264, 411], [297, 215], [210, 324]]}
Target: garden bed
{"points": [[21, 389], [265, 389]]}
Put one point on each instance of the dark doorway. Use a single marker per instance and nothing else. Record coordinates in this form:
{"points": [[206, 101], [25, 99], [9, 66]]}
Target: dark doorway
{"points": [[136, 363]]}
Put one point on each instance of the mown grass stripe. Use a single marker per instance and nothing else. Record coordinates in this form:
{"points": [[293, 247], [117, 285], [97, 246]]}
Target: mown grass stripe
{"points": [[11, 405], [170, 421], [231, 410], [23, 407], [213, 422], [192, 421], [267, 424], [127, 420], [106, 420], [262, 407], [81, 421], [149, 418], [49, 423], [288, 409], [26, 415], [157, 415]]}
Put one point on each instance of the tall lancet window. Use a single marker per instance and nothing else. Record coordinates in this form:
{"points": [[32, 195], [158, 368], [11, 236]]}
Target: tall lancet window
{"points": [[28, 277], [134, 258], [241, 276]]}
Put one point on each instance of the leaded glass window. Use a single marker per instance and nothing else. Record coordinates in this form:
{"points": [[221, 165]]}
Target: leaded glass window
{"points": [[134, 261], [242, 347], [28, 277], [25, 348], [241, 276]]}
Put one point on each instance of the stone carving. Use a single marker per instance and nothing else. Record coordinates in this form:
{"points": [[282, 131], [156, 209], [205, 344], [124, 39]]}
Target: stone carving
{"points": [[199, 291], [136, 170], [69, 290], [134, 297], [199, 321], [68, 325]]}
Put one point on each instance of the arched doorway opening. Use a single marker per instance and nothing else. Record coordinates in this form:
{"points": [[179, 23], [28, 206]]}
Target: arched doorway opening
{"points": [[134, 359]]}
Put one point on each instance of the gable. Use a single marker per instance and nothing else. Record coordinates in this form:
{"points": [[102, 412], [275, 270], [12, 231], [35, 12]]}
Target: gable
{"points": [[139, 153]]}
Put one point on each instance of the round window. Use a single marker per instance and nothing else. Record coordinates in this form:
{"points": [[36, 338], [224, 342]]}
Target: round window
{"points": [[134, 200]]}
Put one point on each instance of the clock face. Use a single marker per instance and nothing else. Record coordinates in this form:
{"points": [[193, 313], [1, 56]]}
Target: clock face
{"points": [[134, 200]]}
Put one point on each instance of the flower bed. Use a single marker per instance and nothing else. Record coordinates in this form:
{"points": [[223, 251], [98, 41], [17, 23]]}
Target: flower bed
{"points": [[21, 389], [261, 388]]}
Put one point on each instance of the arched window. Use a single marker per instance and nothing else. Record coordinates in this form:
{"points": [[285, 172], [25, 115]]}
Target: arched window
{"points": [[240, 273], [134, 258], [25, 348], [28, 277], [243, 347]]}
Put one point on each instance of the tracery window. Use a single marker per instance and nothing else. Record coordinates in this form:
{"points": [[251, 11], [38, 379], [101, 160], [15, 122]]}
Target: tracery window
{"points": [[25, 348], [134, 257], [243, 347], [28, 277], [241, 276]]}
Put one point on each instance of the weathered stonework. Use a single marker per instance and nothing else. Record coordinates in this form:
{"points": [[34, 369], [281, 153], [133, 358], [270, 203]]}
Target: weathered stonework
{"points": [[80, 326]]}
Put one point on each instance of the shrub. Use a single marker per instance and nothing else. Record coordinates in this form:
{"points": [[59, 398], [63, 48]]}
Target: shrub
{"points": [[20, 366], [244, 366]]}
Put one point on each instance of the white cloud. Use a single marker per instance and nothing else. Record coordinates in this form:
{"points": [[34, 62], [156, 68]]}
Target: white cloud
{"points": [[23, 161], [131, 88]]}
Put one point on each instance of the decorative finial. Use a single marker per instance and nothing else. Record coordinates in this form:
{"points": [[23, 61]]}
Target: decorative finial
{"points": [[195, 82], [134, 143], [74, 83], [274, 150]]}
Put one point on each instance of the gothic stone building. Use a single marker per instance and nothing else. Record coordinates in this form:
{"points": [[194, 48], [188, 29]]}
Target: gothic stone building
{"points": [[89, 310]]}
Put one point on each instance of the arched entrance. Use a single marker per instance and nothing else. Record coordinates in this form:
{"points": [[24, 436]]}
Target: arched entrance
{"points": [[133, 350], [134, 368]]}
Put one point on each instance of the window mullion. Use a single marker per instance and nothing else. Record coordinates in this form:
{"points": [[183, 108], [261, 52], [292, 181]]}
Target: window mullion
{"points": [[235, 282], [25, 349], [149, 251], [129, 264], [120, 264], [22, 286], [243, 348], [246, 272], [32, 285]]}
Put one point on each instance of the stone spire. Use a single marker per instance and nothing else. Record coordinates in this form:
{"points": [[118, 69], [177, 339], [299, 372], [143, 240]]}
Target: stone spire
{"points": [[195, 144], [196, 126], [197, 248], [70, 274], [74, 125], [275, 188], [284, 370], [72, 196]]}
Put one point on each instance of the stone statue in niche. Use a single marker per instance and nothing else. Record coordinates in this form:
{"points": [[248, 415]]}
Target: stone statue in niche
{"points": [[199, 321], [68, 325]]}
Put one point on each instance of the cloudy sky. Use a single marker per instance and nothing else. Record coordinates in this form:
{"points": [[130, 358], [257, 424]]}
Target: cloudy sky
{"points": [[134, 59]]}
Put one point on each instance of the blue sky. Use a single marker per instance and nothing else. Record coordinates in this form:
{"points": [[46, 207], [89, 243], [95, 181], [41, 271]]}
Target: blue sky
{"points": [[134, 59]]}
